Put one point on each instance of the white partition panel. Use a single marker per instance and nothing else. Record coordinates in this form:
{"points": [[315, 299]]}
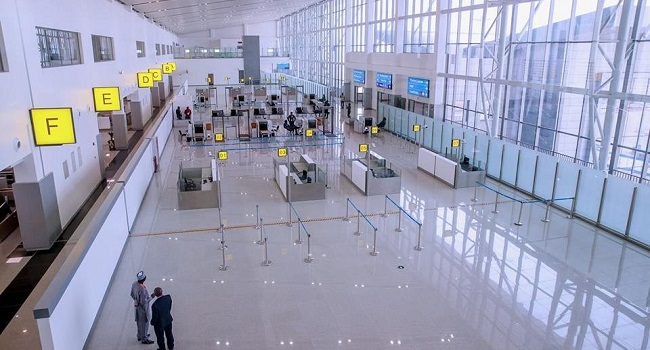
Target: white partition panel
{"points": [[137, 183], [590, 190], [427, 160], [510, 161], [446, 170], [359, 175], [447, 129], [617, 203], [437, 135], [545, 176], [640, 218], [566, 181], [481, 150], [526, 169], [494, 158]]}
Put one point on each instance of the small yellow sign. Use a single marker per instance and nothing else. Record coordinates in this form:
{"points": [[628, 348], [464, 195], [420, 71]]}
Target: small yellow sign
{"points": [[52, 126], [455, 143], [223, 155], [167, 68], [156, 73], [363, 147], [173, 65], [145, 79], [282, 152], [107, 99], [309, 133], [218, 137], [416, 127], [209, 81], [374, 129]]}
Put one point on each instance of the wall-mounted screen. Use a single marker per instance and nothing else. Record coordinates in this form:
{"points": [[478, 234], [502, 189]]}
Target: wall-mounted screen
{"points": [[384, 81], [283, 66], [359, 76], [418, 87]]}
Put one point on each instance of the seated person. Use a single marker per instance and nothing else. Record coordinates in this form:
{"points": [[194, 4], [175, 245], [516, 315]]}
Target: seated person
{"points": [[308, 179], [303, 175], [235, 102], [322, 99]]}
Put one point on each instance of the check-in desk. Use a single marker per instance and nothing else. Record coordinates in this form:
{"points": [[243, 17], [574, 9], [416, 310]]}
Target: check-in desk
{"points": [[373, 175], [449, 171], [300, 181], [198, 188]]}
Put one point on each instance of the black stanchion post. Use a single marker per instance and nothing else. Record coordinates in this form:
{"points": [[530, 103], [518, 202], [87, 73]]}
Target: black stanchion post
{"points": [[419, 247], [223, 266], [521, 209], [374, 251]]}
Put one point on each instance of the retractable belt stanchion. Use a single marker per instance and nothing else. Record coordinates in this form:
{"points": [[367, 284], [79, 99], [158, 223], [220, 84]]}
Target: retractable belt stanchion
{"points": [[266, 261], [257, 215], [547, 217], [399, 222], [496, 204], [299, 240], [374, 251], [475, 198], [419, 247], [222, 246], [385, 214], [521, 209], [347, 210], [309, 258], [358, 232], [261, 241]]}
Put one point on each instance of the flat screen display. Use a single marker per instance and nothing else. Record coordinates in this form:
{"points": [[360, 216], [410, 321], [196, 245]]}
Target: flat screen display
{"points": [[283, 66], [359, 76], [418, 87], [384, 81]]}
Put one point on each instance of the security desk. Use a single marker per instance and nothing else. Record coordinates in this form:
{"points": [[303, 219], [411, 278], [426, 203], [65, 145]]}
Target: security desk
{"points": [[293, 186], [197, 189], [372, 174], [449, 171]]}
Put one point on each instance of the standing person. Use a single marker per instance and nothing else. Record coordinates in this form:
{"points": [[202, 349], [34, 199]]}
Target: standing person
{"points": [[349, 108], [141, 300], [188, 112], [161, 319], [179, 115], [342, 100]]}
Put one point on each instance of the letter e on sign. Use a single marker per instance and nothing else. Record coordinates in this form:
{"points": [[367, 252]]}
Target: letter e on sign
{"points": [[107, 99], [52, 126]]}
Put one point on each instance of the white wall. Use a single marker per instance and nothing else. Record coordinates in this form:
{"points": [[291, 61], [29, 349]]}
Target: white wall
{"points": [[229, 36], [27, 85]]}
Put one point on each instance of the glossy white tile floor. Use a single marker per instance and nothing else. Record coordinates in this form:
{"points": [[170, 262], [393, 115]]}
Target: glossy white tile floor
{"points": [[481, 282]]}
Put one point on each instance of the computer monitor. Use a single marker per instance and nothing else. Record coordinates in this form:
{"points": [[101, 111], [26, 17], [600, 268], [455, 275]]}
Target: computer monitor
{"points": [[233, 112], [312, 96], [241, 98], [201, 99], [256, 111], [264, 125], [299, 110], [198, 128], [367, 121], [311, 123], [274, 97], [280, 110], [217, 113], [274, 110], [240, 113]]}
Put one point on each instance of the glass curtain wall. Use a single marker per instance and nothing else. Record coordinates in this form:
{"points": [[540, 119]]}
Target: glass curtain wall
{"points": [[564, 77]]}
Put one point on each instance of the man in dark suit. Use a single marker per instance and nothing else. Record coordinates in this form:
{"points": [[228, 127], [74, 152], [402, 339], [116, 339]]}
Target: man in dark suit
{"points": [[161, 319]]}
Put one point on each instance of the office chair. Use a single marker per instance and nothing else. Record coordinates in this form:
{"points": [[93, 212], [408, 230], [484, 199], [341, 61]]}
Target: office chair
{"points": [[189, 184]]}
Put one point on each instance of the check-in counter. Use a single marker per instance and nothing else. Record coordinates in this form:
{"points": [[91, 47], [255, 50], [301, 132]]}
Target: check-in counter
{"points": [[373, 175], [449, 171], [300, 181], [198, 187]]}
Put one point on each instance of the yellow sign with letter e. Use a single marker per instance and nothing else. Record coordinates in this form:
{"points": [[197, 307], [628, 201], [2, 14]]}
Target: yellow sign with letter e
{"points": [[363, 147], [282, 152], [156, 73], [416, 127], [52, 126], [145, 79], [223, 155], [107, 99], [218, 137]]}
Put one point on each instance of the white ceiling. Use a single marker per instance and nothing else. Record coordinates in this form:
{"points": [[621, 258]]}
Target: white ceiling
{"points": [[189, 16]]}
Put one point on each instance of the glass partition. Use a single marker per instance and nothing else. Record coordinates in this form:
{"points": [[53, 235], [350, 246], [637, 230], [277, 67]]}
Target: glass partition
{"points": [[494, 158], [640, 218], [566, 182], [526, 169], [447, 129], [481, 150], [545, 176], [510, 161], [617, 203], [590, 190], [437, 136]]}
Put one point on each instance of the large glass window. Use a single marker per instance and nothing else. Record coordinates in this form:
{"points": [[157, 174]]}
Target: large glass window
{"points": [[3, 54], [58, 47], [103, 48]]}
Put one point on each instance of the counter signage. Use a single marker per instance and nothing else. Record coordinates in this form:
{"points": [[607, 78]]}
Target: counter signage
{"points": [[363, 147], [282, 152], [416, 127], [156, 73], [167, 68], [107, 99], [218, 137], [145, 79], [223, 155], [309, 133], [455, 143], [52, 126], [374, 129]]}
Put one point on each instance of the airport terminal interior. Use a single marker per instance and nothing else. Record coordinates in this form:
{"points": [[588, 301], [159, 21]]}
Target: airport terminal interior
{"points": [[340, 174]]}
